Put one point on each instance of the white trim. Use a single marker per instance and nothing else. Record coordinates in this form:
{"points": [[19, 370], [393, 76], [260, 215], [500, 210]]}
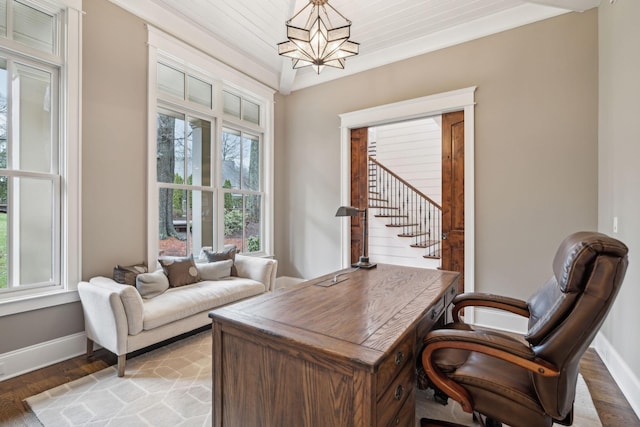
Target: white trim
{"points": [[38, 356], [155, 14], [462, 99], [621, 372]]}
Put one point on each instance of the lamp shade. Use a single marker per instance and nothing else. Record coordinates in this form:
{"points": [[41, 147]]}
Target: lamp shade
{"points": [[347, 211]]}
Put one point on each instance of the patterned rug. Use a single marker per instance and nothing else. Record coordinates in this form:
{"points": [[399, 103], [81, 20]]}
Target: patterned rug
{"points": [[171, 386]]}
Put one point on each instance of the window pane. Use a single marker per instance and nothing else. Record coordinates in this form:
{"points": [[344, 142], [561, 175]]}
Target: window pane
{"points": [[33, 229], [171, 147], [199, 92], [231, 158], [33, 27], [231, 104], [3, 18], [199, 152], [250, 163], [170, 81], [252, 223], [250, 112], [32, 90], [172, 222], [233, 220], [185, 221]]}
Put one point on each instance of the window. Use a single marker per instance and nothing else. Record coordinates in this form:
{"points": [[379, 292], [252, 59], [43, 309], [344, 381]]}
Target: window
{"points": [[241, 174], [39, 163], [209, 163]]}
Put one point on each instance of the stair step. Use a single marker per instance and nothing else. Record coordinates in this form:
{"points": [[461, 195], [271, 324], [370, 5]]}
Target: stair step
{"points": [[401, 225], [434, 256], [383, 207], [392, 216], [413, 234], [377, 199], [425, 244]]}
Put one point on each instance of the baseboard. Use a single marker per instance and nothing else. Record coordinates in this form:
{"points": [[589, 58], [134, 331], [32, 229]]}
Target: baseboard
{"points": [[38, 356], [622, 374], [501, 320]]}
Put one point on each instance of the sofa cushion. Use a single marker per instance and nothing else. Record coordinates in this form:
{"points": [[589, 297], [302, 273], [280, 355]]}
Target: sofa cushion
{"points": [[215, 270], [180, 270], [229, 252], [151, 285], [179, 303]]}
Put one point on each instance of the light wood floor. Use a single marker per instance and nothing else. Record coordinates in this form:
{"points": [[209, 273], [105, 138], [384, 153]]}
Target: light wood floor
{"points": [[612, 407]]}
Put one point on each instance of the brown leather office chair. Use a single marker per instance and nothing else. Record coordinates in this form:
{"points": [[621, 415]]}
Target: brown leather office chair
{"points": [[530, 382]]}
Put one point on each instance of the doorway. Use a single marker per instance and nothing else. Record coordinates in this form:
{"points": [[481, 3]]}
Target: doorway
{"points": [[462, 99]]}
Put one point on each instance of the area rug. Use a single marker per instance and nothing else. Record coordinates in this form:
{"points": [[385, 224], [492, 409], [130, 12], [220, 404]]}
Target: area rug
{"points": [[171, 386]]}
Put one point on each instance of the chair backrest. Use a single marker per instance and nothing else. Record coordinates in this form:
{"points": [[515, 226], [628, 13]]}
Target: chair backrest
{"points": [[567, 312]]}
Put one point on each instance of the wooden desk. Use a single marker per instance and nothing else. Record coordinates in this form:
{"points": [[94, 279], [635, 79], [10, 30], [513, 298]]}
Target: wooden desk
{"points": [[327, 356]]}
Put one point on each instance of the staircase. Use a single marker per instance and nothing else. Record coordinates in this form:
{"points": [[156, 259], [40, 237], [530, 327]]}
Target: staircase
{"points": [[414, 216]]}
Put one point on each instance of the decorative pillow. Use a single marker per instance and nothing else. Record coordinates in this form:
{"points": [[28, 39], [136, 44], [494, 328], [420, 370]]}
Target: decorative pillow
{"points": [[228, 253], [127, 274], [215, 270], [151, 285], [180, 271]]}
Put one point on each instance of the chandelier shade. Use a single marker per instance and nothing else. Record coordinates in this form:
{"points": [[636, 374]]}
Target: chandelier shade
{"points": [[316, 43]]}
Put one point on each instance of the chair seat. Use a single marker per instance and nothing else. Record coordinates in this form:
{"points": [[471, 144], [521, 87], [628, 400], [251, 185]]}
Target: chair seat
{"points": [[494, 383]]}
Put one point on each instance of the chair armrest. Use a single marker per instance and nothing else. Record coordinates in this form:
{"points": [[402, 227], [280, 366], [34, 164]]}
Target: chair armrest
{"points": [[105, 320], [476, 299], [490, 343], [262, 270]]}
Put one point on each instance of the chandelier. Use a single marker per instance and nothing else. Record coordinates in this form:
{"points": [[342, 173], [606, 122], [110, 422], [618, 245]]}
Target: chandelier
{"points": [[316, 42]]}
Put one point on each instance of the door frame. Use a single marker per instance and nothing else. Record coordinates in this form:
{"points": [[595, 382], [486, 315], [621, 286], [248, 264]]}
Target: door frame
{"points": [[456, 100]]}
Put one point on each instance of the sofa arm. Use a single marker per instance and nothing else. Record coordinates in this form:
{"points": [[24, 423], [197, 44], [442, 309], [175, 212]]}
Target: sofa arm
{"points": [[105, 320], [262, 270]]}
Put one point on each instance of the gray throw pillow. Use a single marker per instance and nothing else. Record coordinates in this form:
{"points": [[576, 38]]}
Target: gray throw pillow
{"points": [[151, 285], [227, 253], [215, 270]]}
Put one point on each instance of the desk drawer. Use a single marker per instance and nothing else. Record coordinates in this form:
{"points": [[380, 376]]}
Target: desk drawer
{"points": [[407, 415], [426, 323], [393, 364], [396, 395]]}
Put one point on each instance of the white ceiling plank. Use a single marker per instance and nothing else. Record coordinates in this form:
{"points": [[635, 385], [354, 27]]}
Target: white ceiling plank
{"points": [[386, 31]]}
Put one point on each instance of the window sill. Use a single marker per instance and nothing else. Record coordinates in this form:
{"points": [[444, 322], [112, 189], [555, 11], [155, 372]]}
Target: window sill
{"points": [[24, 303]]}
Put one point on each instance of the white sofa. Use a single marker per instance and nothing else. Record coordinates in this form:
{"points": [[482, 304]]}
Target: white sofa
{"points": [[120, 319]]}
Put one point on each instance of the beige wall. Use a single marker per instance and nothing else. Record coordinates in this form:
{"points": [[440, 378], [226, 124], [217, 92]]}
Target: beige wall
{"points": [[619, 152], [536, 148], [113, 165]]}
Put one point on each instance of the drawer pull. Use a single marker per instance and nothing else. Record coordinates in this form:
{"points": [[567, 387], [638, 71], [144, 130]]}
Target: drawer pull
{"points": [[397, 420], [399, 358], [399, 392]]}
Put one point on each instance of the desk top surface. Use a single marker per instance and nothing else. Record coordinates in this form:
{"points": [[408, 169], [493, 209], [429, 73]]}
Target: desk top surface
{"points": [[366, 312]]}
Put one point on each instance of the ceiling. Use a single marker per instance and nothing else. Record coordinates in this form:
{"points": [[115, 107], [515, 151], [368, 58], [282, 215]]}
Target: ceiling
{"points": [[245, 33]]}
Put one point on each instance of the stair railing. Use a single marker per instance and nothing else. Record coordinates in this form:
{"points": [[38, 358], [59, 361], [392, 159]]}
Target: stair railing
{"points": [[406, 208]]}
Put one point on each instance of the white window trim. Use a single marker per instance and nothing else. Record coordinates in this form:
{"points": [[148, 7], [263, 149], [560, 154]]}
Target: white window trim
{"points": [[456, 100], [162, 44], [71, 156]]}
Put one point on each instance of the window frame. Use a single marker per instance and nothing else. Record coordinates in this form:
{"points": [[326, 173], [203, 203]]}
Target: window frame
{"points": [[174, 53], [67, 59]]}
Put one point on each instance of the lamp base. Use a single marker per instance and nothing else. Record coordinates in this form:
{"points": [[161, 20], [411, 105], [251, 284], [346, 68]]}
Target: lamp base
{"points": [[363, 262]]}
